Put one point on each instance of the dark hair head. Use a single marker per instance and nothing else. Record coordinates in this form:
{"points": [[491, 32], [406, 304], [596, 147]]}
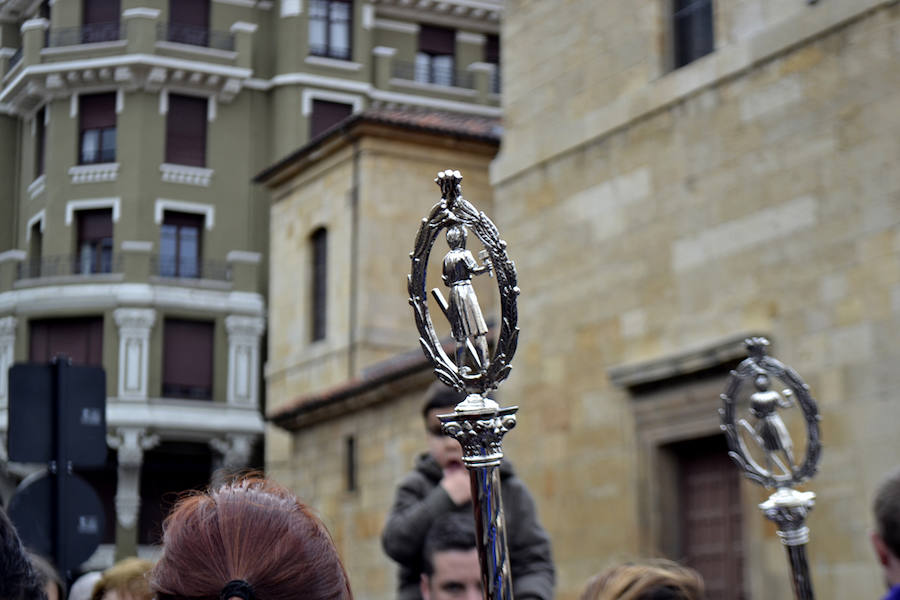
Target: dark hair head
{"points": [[452, 531], [652, 580], [19, 580], [47, 573], [252, 530], [128, 577], [887, 512], [440, 395]]}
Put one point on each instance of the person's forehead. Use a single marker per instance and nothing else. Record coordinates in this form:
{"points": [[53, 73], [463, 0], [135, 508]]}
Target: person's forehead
{"points": [[459, 564]]}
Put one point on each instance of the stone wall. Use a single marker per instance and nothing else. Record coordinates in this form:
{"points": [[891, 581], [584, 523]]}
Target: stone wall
{"points": [[750, 191]]}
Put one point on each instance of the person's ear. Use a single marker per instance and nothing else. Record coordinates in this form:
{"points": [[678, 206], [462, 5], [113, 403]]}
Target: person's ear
{"points": [[424, 586], [881, 549]]}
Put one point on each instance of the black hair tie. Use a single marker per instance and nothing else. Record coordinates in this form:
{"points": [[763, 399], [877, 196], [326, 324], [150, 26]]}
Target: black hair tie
{"points": [[237, 588]]}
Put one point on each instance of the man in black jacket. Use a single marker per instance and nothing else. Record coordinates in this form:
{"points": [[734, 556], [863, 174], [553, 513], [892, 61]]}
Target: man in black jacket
{"points": [[439, 484]]}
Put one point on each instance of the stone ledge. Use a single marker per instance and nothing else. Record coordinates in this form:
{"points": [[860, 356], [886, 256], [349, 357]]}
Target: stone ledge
{"points": [[710, 355]]}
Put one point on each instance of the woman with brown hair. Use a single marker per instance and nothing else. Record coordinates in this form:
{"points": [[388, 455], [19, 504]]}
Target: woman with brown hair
{"points": [[250, 539], [652, 580]]}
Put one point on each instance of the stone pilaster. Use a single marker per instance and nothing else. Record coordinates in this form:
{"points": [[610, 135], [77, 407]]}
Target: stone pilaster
{"points": [[243, 359], [134, 345], [7, 356], [130, 444]]}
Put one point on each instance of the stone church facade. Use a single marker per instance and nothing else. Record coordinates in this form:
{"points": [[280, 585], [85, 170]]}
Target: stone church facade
{"points": [[663, 198]]}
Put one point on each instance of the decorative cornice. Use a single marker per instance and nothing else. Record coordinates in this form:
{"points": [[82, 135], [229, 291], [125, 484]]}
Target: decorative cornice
{"points": [[10, 255], [243, 27], [31, 24], [37, 187], [141, 13], [398, 26], [186, 174], [242, 256], [7, 327], [91, 203], [138, 319], [94, 173], [237, 325]]}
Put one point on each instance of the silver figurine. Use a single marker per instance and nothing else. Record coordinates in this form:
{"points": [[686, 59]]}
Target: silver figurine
{"points": [[779, 469], [478, 422]]}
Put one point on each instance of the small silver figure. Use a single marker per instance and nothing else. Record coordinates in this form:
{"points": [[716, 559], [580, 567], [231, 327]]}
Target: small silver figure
{"points": [[770, 431], [463, 311]]}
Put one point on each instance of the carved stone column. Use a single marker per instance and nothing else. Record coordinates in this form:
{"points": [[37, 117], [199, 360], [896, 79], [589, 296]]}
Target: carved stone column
{"points": [[134, 345], [130, 444], [7, 356], [232, 454], [243, 359]]}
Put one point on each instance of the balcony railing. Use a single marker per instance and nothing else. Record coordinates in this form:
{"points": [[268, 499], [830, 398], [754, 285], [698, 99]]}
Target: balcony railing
{"points": [[15, 58], [68, 265], [435, 74], [195, 36], [189, 268], [91, 33], [496, 81]]}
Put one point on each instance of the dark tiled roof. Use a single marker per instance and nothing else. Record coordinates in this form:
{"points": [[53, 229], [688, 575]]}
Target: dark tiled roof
{"points": [[457, 125]]}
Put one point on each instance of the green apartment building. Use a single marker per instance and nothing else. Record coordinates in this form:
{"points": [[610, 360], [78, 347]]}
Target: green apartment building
{"points": [[131, 235]]}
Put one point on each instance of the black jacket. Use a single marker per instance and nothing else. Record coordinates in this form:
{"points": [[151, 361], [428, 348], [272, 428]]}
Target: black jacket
{"points": [[420, 500]]}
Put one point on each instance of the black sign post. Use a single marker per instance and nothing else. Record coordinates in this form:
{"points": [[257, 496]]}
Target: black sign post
{"points": [[57, 415]]}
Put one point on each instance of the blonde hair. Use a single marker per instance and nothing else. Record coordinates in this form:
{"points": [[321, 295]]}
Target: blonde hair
{"points": [[128, 577], [650, 580]]}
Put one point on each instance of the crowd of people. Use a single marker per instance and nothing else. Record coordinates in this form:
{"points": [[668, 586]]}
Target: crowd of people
{"points": [[252, 539]]}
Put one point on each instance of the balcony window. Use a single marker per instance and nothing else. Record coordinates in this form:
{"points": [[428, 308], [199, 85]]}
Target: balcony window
{"points": [[95, 241], [330, 28], [692, 30], [186, 131], [99, 21], [97, 127], [187, 359], [326, 115], [435, 60], [40, 141], [189, 22], [80, 339], [179, 244], [319, 295]]}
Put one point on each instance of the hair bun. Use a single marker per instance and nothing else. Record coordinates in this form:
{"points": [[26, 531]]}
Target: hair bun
{"points": [[237, 588]]}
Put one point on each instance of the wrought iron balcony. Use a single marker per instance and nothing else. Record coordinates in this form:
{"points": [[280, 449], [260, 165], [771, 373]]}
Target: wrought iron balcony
{"points": [[431, 73], [496, 81], [195, 36], [189, 268], [68, 265], [15, 58], [91, 33]]}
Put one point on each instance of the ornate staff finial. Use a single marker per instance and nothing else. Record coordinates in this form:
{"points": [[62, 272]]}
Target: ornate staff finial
{"points": [[763, 433], [478, 423], [449, 182]]}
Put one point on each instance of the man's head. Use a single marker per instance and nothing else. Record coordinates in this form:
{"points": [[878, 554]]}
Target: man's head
{"points": [[18, 578], [886, 537], [450, 563], [441, 400]]}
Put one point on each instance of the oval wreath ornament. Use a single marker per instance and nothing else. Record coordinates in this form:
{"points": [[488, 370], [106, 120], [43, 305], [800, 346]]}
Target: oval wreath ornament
{"points": [[768, 430], [456, 215]]}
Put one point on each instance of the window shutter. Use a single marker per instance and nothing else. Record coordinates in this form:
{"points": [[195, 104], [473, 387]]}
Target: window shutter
{"points": [[326, 115], [95, 224], [189, 12], [188, 358], [80, 339], [186, 131], [97, 111], [101, 11], [437, 40], [492, 49]]}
